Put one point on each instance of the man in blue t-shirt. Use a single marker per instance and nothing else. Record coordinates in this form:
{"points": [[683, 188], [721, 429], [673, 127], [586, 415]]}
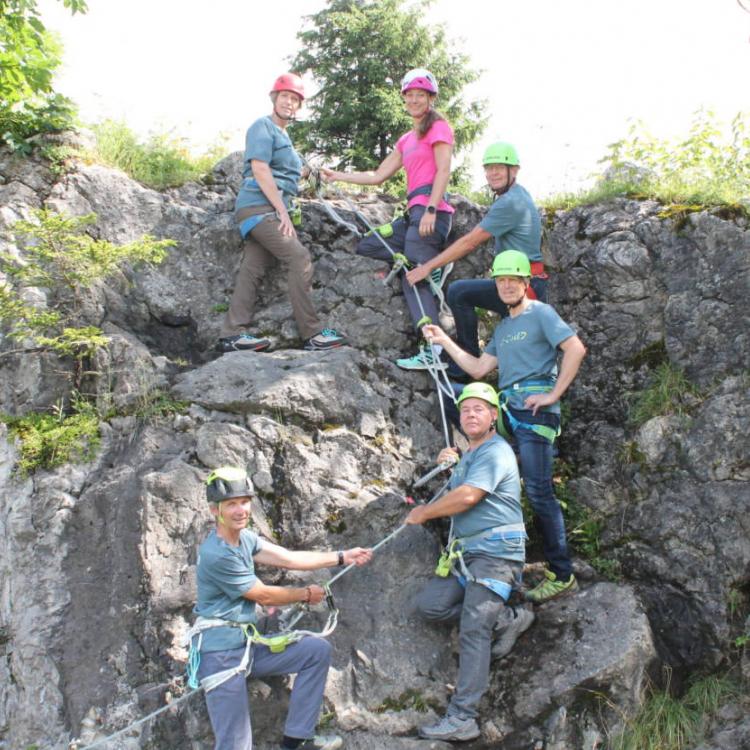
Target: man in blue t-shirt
{"points": [[513, 220], [524, 349], [228, 591], [483, 561]]}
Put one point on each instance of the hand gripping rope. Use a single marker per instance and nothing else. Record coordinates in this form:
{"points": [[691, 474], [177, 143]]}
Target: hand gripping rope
{"points": [[277, 643], [400, 263]]}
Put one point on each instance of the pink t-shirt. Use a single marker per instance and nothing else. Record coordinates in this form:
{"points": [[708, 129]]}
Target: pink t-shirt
{"points": [[419, 160]]}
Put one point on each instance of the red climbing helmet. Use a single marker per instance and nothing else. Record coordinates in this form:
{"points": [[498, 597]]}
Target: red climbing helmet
{"points": [[289, 82]]}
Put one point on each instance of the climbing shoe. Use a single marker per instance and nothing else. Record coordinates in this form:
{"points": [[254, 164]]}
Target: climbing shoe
{"points": [[451, 728], [326, 339], [422, 360], [550, 587], [243, 342], [439, 275], [512, 622]]}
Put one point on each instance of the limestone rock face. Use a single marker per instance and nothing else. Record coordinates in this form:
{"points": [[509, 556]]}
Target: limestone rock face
{"points": [[97, 560]]}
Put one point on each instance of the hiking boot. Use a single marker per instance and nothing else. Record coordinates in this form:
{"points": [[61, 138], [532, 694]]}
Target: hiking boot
{"points": [[439, 275], [320, 742], [451, 728], [244, 342], [326, 339], [550, 587], [422, 360], [512, 622]]}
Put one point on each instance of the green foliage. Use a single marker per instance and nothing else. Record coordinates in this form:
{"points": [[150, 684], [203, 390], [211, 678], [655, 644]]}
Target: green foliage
{"points": [[708, 167], [158, 403], [220, 307], [409, 699], [163, 161], [668, 392], [358, 50], [29, 56], [50, 440], [584, 526], [60, 257], [668, 723]]}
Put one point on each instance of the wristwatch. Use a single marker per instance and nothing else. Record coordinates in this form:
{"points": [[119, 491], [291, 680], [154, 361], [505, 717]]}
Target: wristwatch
{"points": [[431, 209]]}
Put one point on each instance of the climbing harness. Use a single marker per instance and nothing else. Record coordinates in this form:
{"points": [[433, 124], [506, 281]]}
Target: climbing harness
{"points": [[451, 561], [525, 386], [277, 642]]}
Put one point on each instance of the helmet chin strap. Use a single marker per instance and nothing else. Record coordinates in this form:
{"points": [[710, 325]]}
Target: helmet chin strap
{"points": [[514, 305], [283, 117], [508, 183]]}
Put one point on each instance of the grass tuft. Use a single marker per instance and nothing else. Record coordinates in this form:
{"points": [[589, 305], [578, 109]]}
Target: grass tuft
{"points": [[163, 161], [668, 392]]}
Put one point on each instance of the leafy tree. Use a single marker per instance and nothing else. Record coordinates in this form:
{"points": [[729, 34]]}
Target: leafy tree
{"points": [[62, 259], [29, 56], [358, 50]]}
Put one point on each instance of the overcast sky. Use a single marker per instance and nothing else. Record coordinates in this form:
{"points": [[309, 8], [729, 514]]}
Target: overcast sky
{"points": [[562, 77]]}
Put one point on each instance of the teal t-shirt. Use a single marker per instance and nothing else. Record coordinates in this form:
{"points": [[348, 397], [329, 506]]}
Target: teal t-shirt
{"points": [[514, 221], [224, 574], [491, 467], [266, 141], [526, 349]]}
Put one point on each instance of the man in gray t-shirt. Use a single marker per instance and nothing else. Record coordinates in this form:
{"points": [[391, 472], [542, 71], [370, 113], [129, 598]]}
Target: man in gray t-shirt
{"points": [[484, 505], [228, 591], [524, 349], [513, 221]]}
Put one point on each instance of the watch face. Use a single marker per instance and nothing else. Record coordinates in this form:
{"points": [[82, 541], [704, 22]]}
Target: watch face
{"points": [[430, 209]]}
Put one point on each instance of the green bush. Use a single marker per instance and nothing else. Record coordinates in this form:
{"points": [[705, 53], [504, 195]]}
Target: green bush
{"points": [[58, 256], [163, 161], [50, 440], [29, 56], [708, 167]]}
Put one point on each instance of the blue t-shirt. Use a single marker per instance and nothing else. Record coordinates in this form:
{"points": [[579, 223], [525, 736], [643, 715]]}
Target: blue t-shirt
{"points": [[526, 349], [225, 573], [513, 220], [266, 141], [491, 467]]}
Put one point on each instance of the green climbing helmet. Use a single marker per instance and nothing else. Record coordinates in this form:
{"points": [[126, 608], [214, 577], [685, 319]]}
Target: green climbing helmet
{"points": [[511, 263], [500, 153], [479, 390], [227, 482]]}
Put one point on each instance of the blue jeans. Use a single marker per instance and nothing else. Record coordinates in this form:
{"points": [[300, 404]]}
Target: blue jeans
{"points": [[465, 295], [407, 240], [537, 456]]}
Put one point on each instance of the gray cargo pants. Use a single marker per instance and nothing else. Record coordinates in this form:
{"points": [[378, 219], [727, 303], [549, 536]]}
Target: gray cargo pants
{"points": [[228, 704], [477, 608]]}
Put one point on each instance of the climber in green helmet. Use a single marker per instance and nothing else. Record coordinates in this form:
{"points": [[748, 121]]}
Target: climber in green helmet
{"points": [[228, 592], [482, 562], [513, 221], [524, 348]]}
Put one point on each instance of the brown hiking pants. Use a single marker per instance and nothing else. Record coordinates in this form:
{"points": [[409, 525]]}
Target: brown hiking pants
{"points": [[264, 243]]}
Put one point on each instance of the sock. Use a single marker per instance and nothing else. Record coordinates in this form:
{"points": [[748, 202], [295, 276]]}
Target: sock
{"points": [[291, 743]]}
